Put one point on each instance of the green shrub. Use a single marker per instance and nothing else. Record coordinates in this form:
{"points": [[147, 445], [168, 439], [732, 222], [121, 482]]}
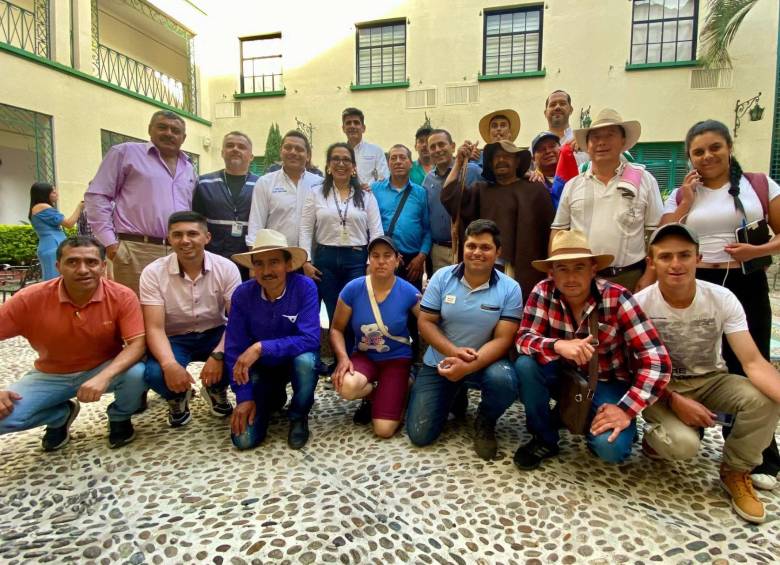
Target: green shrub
{"points": [[19, 244]]}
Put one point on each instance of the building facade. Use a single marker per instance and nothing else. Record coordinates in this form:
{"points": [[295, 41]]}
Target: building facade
{"points": [[80, 75]]}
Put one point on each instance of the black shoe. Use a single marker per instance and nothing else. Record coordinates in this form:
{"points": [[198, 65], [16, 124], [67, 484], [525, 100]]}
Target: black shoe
{"points": [[299, 433], [217, 401], [460, 404], [58, 437], [144, 403], [485, 438], [362, 416], [179, 410], [120, 433], [531, 455]]}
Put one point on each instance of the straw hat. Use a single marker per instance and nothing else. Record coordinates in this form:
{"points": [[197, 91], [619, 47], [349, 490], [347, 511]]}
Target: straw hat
{"points": [[609, 117], [569, 245], [509, 147], [271, 240], [510, 115]]}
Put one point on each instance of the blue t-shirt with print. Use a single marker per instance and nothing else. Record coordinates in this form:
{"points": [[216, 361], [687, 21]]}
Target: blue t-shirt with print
{"points": [[394, 309]]}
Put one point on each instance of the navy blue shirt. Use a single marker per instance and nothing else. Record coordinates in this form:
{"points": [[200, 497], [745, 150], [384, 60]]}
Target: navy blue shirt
{"points": [[412, 233]]}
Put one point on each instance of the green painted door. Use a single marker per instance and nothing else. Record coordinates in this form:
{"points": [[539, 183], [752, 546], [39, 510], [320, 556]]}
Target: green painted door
{"points": [[665, 160]]}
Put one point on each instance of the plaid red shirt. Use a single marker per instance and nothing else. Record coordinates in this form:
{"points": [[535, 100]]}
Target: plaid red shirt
{"points": [[630, 348]]}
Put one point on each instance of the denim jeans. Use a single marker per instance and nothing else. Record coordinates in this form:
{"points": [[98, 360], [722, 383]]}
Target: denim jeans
{"points": [[536, 385], [432, 396], [269, 384], [338, 265], [186, 348], [44, 397]]}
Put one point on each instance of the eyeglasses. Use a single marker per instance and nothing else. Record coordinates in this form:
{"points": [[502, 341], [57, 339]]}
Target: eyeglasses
{"points": [[341, 160]]}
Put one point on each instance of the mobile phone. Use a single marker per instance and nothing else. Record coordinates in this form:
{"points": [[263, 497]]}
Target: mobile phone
{"points": [[724, 419]]}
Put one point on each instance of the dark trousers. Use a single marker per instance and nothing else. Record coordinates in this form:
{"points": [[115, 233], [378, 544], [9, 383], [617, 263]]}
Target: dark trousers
{"points": [[752, 291], [411, 323], [339, 265]]}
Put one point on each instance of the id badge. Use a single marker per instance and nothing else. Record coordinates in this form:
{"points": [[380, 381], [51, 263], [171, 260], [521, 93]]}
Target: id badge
{"points": [[344, 236], [237, 230]]}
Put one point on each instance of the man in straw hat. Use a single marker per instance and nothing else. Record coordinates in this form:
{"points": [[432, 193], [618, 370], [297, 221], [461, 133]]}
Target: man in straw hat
{"points": [[633, 364], [522, 209], [692, 317], [271, 339], [614, 203]]}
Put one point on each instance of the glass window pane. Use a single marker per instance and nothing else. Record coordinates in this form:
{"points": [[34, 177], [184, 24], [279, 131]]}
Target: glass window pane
{"points": [[376, 36], [685, 51], [654, 53], [387, 35], [531, 61], [670, 31], [506, 23], [638, 54], [491, 66], [656, 9], [532, 43], [247, 68], [492, 24], [399, 33], [654, 33], [670, 9], [640, 34], [518, 25], [532, 21], [669, 52], [363, 58], [685, 30], [491, 47], [279, 83], [641, 10], [364, 37], [686, 8]]}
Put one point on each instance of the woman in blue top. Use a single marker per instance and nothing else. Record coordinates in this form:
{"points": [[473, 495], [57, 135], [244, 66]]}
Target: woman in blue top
{"points": [[380, 356], [47, 222]]}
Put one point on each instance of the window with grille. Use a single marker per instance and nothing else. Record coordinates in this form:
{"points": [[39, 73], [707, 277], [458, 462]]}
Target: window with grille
{"points": [[512, 41], [663, 31], [261, 63], [666, 161], [381, 53]]}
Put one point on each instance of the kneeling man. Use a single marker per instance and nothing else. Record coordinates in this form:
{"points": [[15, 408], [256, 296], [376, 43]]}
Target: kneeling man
{"points": [[89, 335], [633, 365], [272, 337], [692, 316], [468, 314]]}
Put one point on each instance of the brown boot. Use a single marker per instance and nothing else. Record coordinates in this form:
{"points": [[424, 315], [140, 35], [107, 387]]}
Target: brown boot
{"points": [[743, 497]]}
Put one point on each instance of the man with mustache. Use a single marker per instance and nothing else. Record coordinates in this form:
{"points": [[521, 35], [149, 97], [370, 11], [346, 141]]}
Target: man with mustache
{"points": [[137, 187], [185, 299], [224, 197], [370, 159]]}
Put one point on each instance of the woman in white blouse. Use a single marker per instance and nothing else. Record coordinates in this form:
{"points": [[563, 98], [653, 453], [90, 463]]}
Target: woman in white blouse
{"points": [[341, 219]]}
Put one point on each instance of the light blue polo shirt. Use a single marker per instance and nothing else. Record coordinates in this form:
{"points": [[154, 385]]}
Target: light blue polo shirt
{"points": [[469, 316]]}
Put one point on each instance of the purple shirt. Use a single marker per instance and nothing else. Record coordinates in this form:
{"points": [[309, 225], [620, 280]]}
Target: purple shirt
{"points": [[134, 192]]}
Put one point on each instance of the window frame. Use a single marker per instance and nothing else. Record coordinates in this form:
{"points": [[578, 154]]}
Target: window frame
{"points": [[242, 79], [676, 62], [516, 9], [358, 85]]}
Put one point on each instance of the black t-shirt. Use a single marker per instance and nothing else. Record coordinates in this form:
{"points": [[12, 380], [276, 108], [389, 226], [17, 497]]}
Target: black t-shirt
{"points": [[235, 184]]}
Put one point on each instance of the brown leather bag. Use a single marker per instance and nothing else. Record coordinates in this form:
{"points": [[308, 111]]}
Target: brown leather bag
{"points": [[575, 394]]}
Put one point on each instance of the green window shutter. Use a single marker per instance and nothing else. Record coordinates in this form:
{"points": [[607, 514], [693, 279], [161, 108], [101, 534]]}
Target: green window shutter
{"points": [[666, 161], [257, 166]]}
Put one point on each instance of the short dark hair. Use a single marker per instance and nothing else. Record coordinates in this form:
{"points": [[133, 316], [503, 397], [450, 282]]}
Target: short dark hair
{"points": [[81, 241], [353, 112], [497, 116], [400, 146], [296, 133], [168, 115], [286, 254], [568, 98], [423, 131], [188, 216], [435, 131], [478, 227], [236, 133]]}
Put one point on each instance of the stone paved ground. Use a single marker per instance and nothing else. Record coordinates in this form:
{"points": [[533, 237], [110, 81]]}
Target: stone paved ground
{"points": [[186, 495]]}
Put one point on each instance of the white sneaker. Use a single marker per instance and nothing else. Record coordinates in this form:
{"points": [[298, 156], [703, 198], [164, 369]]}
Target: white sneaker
{"points": [[763, 481]]}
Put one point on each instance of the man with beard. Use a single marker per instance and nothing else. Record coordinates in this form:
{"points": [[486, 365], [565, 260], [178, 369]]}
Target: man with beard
{"points": [[557, 111], [522, 209], [224, 197]]}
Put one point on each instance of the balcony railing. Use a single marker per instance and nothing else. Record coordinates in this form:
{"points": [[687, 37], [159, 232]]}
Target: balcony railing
{"points": [[25, 29], [126, 72]]}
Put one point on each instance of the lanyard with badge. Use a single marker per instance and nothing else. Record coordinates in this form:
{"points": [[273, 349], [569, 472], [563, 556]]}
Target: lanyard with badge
{"points": [[342, 217], [236, 228]]}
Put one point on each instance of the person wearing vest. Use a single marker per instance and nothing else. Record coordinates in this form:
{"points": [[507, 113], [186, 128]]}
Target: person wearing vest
{"points": [[715, 199], [224, 198]]}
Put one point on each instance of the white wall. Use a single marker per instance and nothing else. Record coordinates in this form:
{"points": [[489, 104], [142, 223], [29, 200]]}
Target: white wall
{"points": [[17, 173]]}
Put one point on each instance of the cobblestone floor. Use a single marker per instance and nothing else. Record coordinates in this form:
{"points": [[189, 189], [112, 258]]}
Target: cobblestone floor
{"points": [[186, 495]]}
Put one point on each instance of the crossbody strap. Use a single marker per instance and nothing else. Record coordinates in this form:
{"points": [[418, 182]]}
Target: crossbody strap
{"points": [[404, 198], [378, 315], [593, 364]]}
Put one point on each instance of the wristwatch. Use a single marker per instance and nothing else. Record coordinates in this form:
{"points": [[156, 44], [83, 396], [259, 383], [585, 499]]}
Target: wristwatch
{"points": [[218, 355]]}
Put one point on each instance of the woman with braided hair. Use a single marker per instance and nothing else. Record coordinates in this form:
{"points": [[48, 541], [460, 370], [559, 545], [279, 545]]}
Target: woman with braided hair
{"points": [[715, 199]]}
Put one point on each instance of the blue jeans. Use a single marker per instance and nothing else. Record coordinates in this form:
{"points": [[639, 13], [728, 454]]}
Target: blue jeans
{"points": [[269, 384], [338, 265], [44, 397], [186, 348], [536, 385], [432, 396]]}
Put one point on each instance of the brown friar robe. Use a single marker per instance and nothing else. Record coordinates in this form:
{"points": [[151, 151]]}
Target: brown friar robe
{"points": [[523, 212]]}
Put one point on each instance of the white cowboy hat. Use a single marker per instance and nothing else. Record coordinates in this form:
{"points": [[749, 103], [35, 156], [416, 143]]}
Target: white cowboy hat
{"points": [[271, 240], [512, 117], [609, 117], [569, 245]]}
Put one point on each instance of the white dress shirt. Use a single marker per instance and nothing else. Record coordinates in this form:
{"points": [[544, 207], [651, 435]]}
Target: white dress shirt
{"points": [[371, 163], [321, 222], [277, 203]]}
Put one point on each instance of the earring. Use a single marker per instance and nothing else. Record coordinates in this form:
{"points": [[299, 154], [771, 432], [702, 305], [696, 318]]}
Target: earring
{"points": [[327, 170], [354, 173]]}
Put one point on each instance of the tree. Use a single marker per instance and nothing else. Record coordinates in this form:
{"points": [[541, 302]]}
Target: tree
{"points": [[723, 20], [273, 146]]}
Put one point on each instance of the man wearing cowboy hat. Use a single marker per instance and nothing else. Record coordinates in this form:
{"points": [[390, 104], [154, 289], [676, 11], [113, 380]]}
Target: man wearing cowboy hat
{"points": [[271, 339], [633, 365], [614, 203], [493, 127], [522, 209], [185, 297]]}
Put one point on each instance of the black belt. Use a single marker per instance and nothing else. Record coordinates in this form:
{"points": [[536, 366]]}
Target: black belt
{"points": [[615, 271], [141, 238]]}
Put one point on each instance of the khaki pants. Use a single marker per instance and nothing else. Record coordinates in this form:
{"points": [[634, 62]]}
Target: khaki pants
{"points": [[131, 258], [627, 279], [440, 257], [755, 420]]}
